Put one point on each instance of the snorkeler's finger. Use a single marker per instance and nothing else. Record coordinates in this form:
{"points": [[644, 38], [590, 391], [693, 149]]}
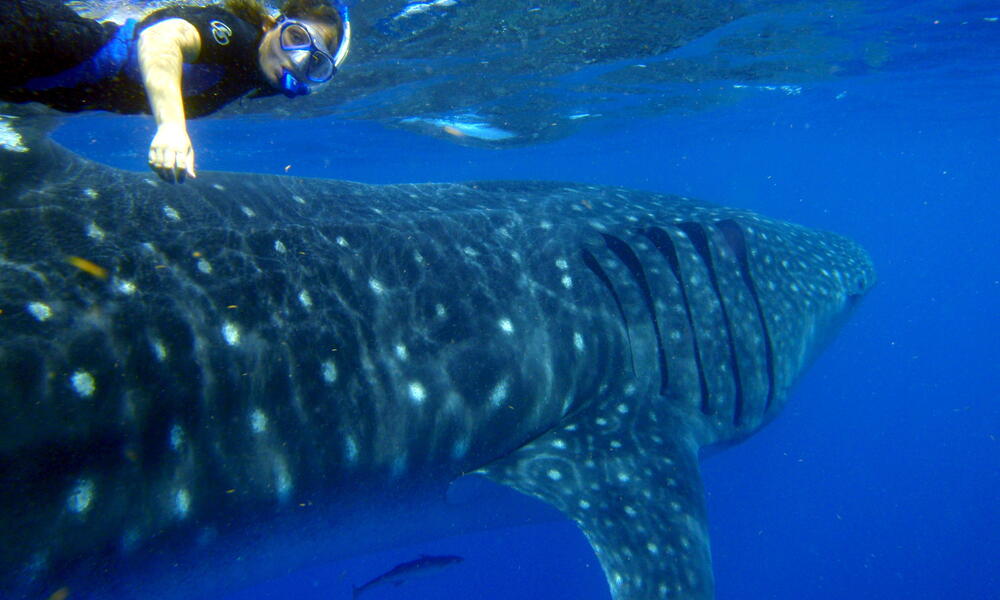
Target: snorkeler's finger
{"points": [[190, 164]]}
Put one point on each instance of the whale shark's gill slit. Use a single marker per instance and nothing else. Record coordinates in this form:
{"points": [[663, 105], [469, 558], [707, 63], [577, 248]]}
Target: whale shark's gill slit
{"points": [[733, 234], [596, 269], [627, 255], [663, 242], [699, 239]]}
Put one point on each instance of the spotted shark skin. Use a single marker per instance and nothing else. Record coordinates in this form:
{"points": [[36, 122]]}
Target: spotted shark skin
{"points": [[180, 364]]}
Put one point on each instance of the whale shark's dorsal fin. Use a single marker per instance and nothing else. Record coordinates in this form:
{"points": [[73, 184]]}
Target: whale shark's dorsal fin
{"points": [[635, 492]]}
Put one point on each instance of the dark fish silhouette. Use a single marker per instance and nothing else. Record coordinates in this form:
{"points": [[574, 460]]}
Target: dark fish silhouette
{"points": [[403, 572]]}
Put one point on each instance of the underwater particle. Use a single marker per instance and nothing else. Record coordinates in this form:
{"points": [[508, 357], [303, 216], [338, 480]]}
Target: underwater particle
{"points": [[231, 333], [40, 310], [83, 384], [88, 267], [81, 497], [219, 187], [453, 131], [329, 371]]}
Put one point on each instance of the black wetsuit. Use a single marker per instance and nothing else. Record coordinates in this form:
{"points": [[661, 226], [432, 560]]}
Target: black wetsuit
{"points": [[49, 54]]}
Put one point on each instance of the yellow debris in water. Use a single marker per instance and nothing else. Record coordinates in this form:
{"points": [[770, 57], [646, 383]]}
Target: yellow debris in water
{"points": [[88, 267], [60, 594], [453, 131]]}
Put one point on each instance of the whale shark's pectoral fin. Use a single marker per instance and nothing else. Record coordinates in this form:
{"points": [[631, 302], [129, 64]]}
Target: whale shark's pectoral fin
{"points": [[636, 495]]}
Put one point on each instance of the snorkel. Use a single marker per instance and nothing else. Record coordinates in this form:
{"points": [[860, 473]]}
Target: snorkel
{"points": [[292, 85]]}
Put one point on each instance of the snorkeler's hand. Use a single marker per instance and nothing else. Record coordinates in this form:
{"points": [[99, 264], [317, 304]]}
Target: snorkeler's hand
{"points": [[171, 155]]}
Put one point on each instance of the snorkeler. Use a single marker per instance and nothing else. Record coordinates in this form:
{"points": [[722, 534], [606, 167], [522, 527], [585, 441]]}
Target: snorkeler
{"points": [[177, 62]]}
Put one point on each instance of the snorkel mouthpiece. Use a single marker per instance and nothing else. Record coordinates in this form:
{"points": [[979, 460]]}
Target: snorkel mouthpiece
{"points": [[291, 85]]}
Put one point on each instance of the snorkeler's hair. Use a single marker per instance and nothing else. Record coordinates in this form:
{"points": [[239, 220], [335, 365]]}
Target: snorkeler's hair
{"points": [[251, 11], [315, 10]]}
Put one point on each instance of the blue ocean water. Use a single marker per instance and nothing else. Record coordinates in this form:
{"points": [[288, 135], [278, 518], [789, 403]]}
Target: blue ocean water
{"points": [[882, 477]]}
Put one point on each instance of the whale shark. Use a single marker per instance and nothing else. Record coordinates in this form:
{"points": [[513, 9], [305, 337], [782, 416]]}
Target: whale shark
{"points": [[236, 365]]}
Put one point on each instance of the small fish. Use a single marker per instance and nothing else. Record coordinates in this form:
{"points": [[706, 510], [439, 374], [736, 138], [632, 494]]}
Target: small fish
{"points": [[420, 567]]}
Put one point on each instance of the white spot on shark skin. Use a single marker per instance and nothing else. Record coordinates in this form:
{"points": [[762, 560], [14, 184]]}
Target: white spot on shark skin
{"points": [[342, 242], [376, 286], [630, 511], [246, 210], [561, 264], [83, 384], [171, 213], [440, 311], [567, 281], [231, 333], [401, 352], [94, 232], [398, 467], [652, 548], [40, 310], [623, 409], [159, 350], [623, 477], [125, 287], [506, 326], [584, 504], [80, 497], [305, 299], [470, 252], [282, 481], [499, 394], [554, 474], [258, 421], [351, 447], [279, 247], [176, 437], [182, 502], [329, 371], [560, 444], [417, 392], [545, 225], [298, 199], [578, 341], [204, 266], [459, 450]]}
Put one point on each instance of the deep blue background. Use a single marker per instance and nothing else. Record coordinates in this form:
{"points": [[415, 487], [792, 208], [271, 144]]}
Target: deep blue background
{"points": [[882, 478]]}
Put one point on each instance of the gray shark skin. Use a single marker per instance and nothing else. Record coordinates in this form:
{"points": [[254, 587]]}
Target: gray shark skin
{"points": [[184, 368]]}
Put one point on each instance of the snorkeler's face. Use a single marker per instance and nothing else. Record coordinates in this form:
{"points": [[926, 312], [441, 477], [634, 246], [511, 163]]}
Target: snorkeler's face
{"points": [[275, 60]]}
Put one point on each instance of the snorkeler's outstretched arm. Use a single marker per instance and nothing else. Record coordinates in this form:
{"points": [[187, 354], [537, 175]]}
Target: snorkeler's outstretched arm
{"points": [[163, 49]]}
